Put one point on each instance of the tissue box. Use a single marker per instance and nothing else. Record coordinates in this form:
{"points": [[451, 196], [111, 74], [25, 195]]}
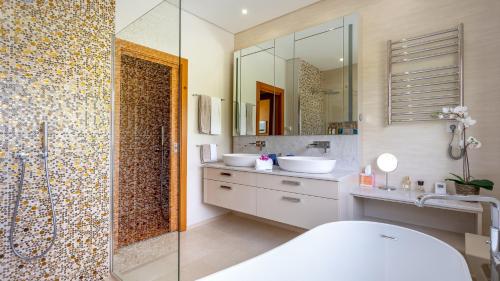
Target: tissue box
{"points": [[264, 164], [367, 181]]}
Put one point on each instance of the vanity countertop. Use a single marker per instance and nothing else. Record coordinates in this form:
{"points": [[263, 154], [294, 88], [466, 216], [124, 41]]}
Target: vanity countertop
{"points": [[336, 175], [409, 197]]}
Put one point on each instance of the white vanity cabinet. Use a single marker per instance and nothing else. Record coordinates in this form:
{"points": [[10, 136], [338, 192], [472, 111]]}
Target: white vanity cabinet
{"points": [[297, 201]]}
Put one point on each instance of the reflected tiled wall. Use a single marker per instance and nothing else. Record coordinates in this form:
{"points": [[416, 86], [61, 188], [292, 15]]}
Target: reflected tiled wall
{"points": [[55, 65], [312, 105], [142, 202]]}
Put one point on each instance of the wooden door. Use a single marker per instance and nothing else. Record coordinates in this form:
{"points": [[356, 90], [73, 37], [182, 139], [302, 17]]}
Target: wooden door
{"points": [[177, 129], [276, 98]]}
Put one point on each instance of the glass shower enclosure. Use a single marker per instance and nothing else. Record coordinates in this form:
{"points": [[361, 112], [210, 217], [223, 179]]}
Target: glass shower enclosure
{"points": [[147, 70]]}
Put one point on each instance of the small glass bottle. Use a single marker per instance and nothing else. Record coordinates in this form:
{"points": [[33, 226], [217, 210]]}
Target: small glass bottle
{"points": [[406, 184], [420, 186]]}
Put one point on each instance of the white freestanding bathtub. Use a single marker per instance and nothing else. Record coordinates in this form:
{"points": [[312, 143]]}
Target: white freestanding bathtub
{"points": [[354, 251]]}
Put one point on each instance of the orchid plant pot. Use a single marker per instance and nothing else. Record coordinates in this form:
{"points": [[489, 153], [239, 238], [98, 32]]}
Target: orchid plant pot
{"points": [[465, 184], [465, 189]]}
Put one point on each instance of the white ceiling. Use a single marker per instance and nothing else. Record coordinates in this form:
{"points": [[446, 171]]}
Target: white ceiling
{"points": [[227, 13], [128, 11], [223, 13]]}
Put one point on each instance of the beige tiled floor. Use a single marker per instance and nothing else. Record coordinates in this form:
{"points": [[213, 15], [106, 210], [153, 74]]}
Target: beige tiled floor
{"points": [[211, 247]]}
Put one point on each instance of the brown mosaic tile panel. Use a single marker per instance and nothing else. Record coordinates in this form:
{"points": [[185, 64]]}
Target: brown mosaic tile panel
{"points": [[55, 66], [144, 108]]}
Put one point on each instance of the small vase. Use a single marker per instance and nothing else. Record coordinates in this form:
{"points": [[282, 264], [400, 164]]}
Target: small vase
{"points": [[464, 189]]}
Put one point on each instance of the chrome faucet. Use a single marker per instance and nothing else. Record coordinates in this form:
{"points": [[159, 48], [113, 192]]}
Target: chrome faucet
{"points": [[259, 144], [320, 144], [494, 228]]}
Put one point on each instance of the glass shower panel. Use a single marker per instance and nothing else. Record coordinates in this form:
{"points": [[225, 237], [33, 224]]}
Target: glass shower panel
{"points": [[147, 71]]}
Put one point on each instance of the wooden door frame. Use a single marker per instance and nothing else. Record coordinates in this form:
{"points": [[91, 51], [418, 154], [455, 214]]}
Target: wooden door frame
{"points": [[178, 118], [263, 87]]}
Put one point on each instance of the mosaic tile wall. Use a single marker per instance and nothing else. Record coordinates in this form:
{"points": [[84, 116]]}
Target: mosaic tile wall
{"points": [[55, 65], [143, 210], [312, 108]]}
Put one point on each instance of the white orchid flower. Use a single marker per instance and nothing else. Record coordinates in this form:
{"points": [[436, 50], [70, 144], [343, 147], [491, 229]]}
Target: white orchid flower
{"points": [[472, 141], [478, 145], [446, 110], [468, 122], [460, 110]]}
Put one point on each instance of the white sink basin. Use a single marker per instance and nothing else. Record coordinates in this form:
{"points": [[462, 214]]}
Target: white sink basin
{"points": [[240, 159], [303, 164]]}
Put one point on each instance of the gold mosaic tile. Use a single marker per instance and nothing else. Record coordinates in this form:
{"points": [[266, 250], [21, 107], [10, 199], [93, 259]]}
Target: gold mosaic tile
{"points": [[55, 66]]}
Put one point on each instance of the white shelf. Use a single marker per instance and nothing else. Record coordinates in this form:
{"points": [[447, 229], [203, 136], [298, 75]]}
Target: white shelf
{"points": [[409, 197]]}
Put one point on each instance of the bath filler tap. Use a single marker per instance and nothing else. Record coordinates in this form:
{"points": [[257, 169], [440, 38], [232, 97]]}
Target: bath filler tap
{"points": [[494, 228]]}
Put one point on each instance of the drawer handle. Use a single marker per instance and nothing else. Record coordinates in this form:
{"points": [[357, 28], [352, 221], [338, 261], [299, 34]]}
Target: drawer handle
{"points": [[288, 182], [226, 187], [225, 174], [291, 199]]}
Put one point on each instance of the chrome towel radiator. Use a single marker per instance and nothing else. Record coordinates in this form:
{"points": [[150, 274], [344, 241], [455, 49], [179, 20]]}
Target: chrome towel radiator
{"points": [[425, 74]]}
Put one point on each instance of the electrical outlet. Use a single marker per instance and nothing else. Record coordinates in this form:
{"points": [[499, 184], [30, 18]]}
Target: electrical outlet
{"points": [[449, 126]]}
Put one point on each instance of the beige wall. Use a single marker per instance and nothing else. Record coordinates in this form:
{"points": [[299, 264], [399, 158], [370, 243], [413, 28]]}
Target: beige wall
{"points": [[421, 147]]}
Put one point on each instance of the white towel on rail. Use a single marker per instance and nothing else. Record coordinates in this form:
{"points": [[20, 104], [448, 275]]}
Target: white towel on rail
{"points": [[243, 119], [208, 153], [216, 116], [213, 152]]}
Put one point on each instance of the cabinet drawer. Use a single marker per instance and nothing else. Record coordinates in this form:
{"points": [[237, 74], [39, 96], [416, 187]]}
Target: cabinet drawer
{"points": [[230, 176], [327, 189], [295, 209], [232, 196]]}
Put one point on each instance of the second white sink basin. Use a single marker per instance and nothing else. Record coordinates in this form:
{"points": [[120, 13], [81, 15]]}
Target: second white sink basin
{"points": [[240, 159], [303, 164]]}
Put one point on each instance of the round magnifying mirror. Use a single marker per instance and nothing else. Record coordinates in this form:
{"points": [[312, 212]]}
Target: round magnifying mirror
{"points": [[387, 163]]}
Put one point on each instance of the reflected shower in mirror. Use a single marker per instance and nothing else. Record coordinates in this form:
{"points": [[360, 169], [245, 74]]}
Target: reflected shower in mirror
{"points": [[304, 83]]}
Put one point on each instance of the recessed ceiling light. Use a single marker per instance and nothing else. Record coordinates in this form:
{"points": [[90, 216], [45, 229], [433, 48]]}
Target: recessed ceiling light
{"points": [[341, 59], [244, 11]]}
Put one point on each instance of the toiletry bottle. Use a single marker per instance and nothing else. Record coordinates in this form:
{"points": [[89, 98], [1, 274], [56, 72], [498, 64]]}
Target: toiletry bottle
{"points": [[406, 184], [420, 186]]}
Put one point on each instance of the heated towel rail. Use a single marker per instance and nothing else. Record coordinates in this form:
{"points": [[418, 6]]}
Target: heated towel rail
{"points": [[425, 73]]}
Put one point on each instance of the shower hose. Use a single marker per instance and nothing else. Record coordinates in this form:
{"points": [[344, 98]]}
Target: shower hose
{"points": [[22, 158]]}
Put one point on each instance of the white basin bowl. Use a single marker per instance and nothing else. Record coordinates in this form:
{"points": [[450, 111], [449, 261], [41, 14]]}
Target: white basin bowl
{"points": [[240, 159], [303, 164]]}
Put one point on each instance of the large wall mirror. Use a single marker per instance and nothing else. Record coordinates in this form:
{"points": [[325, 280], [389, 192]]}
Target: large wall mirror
{"points": [[304, 83]]}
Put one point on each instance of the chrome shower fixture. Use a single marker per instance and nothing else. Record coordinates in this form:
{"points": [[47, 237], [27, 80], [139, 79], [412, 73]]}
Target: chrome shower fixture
{"points": [[22, 158]]}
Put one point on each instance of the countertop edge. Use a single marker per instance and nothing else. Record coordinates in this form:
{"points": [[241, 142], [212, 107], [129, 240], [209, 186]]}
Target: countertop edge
{"points": [[337, 175]]}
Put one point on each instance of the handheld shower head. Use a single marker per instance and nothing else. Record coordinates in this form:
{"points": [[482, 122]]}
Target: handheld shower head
{"points": [[45, 140]]}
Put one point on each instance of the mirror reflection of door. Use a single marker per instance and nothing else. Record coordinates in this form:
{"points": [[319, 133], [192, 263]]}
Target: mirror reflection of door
{"points": [[270, 109]]}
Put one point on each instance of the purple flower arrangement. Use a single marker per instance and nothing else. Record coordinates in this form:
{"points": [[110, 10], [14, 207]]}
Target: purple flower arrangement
{"points": [[264, 157]]}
